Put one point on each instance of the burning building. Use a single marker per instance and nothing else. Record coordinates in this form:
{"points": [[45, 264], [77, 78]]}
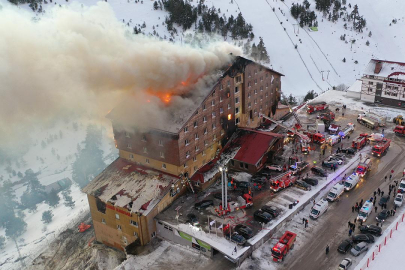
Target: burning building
{"points": [[155, 163]]}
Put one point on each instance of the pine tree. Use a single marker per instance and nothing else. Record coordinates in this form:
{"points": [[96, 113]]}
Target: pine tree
{"points": [[254, 54], [368, 43], [344, 60], [262, 51], [68, 200], [155, 6], [53, 198], [47, 217], [310, 95], [369, 34]]}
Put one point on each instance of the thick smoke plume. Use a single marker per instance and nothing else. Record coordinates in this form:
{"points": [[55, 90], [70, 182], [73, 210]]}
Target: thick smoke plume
{"points": [[83, 60]]}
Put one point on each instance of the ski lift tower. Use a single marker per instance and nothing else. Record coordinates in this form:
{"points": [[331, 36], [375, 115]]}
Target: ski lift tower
{"points": [[224, 185]]}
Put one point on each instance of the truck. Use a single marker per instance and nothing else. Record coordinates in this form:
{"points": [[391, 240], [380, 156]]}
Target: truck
{"points": [[284, 245], [399, 131], [317, 107], [333, 129], [328, 116], [298, 167], [319, 208], [381, 147], [380, 119], [347, 130], [360, 141], [334, 139], [315, 137], [375, 137], [363, 167], [351, 181], [368, 122], [399, 120], [242, 202], [282, 181]]}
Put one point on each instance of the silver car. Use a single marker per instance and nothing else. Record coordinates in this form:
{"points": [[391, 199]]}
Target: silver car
{"points": [[345, 264], [359, 248]]}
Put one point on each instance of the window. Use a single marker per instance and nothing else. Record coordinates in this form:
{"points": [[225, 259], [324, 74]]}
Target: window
{"points": [[221, 110], [241, 164], [195, 124], [222, 132], [213, 103], [249, 104], [143, 138], [261, 107], [125, 240], [249, 74], [267, 94], [261, 78], [135, 234], [205, 130], [255, 71], [246, 166], [163, 166], [145, 150], [212, 147], [267, 85], [196, 112], [255, 91], [229, 83], [213, 93], [236, 110], [249, 94], [203, 153], [194, 159], [238, 79], [133, 223], [153, 234], [255, 101], [187, 154], [160, 143], [162, 155], [197, 148], [185, 165], [236, 100], [205, 142], [236, 89], [237, 120], [220, 99], [229, 106], [213, 114], [129, 146], [213, 126], [195, 168], [249, 84], [221, 87], [147, 160], [215, 137], [261, 88], [232, 162], [127, 135], [370, 83], [204, 119], [255, 81], [185, 129], [103, 221], [204, 108], [117, 216], [186, 142], [131, 156], [196, 136], [119, 227], [261, 97], [267, 75]]}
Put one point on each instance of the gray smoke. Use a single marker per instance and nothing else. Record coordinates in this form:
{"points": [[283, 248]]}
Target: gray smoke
{"points": [[83, 60]]}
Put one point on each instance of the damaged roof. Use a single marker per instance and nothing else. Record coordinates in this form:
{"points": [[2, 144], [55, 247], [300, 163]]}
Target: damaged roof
{"points": [[128, 185], [388, 67]]}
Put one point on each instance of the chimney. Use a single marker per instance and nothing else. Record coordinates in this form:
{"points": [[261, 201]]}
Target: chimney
{"points": [[378, 67]]}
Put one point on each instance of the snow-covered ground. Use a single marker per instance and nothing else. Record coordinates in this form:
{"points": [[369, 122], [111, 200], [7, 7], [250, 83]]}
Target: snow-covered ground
{"points": [[52, 169]]}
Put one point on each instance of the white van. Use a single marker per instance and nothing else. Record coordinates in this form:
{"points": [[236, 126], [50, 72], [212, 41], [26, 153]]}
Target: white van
{"points": [[351, 181], [319, 208], [335, 192], [365, 211]]}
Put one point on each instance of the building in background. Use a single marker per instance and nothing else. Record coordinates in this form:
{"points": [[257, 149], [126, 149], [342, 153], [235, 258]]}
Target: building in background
{"points": [[383, 82]]}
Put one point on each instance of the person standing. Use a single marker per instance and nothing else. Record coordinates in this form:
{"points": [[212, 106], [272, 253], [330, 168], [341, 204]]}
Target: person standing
{"points": [[375, 199], [350, 232], [375, 193], [352, 209], [385, 178], [382, 193], [354, 227], [376, 209], [379, 191], [327, 249], [306, 223], [349, 224], [303, 220]]}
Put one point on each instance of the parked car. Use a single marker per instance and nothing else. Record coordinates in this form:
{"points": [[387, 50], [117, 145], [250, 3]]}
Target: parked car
{"points": [[311, 181], [203, 204], [262, 216], [236, 238], [218, 196], [363, 238], [345, 264], [345, 245], [384, 199], [340, 156], [243, 230], [259, 180], [192, 219], [319, 171], [242, 185], [371, 229], [398, 200], [336, 159], [273, 211], [383, 215], [330, 164], [349, 151], [302, 185], [359, 248], [275, 167]]}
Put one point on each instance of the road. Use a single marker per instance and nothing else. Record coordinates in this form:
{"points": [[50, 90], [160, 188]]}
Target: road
{"points": [[335, 227]]}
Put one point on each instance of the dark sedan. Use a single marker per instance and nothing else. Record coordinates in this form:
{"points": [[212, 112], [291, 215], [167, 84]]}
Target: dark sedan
{"points": [[203, 204], [236, 238], [349, 151], [371, 229], [273, 211], [383, 215], [319, 171], [243, 230], [302, 185], [262, 216], [384, 199], [330, 164], [192, 219], [345, 246], [311, 181], [368, 238]]}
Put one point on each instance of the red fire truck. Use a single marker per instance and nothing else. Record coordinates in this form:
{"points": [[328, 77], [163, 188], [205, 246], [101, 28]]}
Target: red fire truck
{"points": [[242, 202], [360, 141], [315, 137], [381, 148], [284, 245], [317, 107], [282, 181], [399, 131], [363, 167]]}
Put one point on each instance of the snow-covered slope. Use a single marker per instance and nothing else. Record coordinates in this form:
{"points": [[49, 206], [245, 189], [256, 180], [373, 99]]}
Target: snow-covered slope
{"points": [[317, 62]]}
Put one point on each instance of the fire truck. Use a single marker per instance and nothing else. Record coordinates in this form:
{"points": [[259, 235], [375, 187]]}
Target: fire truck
{"points": [[284, 245], [282, 181], [317, 107], [242, 202], [347, 130], [327, 116], [399, 131], [363, 167], [381, 148], [333, 129], [360, 141]]}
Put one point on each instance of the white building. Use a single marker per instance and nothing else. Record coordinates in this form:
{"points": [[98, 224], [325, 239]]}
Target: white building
{"points": [[384, 82]]}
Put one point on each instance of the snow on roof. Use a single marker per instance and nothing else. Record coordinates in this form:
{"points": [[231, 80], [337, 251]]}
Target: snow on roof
{"points": [[388, 67], [355, 87], [125, 184]]}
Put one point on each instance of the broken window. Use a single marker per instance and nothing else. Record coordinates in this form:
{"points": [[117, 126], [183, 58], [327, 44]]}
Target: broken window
{"points": [[133, 223], [163, 166], [119, 227], [100, 206]]}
